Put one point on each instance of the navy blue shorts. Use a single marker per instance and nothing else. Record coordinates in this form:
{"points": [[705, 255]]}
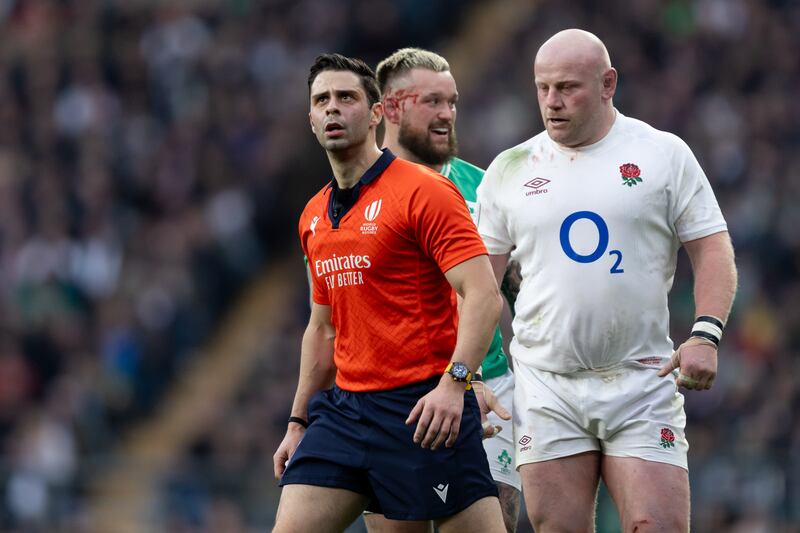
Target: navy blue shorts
{"points": [[359, 441]]}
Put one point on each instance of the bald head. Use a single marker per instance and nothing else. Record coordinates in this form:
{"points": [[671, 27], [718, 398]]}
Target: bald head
{"points": [[575, 47], [575, 84]]}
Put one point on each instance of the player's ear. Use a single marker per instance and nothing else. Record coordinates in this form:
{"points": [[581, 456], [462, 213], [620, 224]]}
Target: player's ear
{"points": [[609, 83], [376, 114], [391, 110]]}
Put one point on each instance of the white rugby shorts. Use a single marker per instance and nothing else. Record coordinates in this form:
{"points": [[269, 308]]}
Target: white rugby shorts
{"points": [[500, 448], [627, 411]]}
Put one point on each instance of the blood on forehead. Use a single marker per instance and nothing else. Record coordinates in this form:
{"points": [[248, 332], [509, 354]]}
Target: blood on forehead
{"points": [[399, 96]]}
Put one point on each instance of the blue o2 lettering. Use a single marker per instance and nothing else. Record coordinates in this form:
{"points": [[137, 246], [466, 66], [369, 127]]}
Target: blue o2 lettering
{"points": [[616, 269], [602, 242], [602, 229]]}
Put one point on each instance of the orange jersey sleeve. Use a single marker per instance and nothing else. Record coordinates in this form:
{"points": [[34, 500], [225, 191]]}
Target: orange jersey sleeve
{"points": [[442, 223], [312, 214]]}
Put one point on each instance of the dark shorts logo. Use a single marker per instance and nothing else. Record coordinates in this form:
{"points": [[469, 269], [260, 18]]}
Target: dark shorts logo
{"points": [[537, 185]]}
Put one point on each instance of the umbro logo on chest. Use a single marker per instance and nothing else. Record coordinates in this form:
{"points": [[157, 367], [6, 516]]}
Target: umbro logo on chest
{"points": [[536, 186]]}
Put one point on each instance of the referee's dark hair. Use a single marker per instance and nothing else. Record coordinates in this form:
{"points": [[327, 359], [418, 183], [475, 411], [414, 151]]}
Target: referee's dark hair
{"points": [[358, 67]]}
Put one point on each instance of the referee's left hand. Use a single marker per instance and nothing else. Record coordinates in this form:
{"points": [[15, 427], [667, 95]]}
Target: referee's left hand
{"points": [[439, 414]]}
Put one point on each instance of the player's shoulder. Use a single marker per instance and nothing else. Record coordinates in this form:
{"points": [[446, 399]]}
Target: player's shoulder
{"points": [[639, 131], [313, 211], [464, 167], [524, 146], [413, 176], [411, 169], [512, 159]]}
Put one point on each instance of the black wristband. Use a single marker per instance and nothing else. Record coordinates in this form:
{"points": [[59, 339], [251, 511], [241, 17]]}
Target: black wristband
{"points": [[705, 335], [477, 377], [298, 420], [711, 320]]}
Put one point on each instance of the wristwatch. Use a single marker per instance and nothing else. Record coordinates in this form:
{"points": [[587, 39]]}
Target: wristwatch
{"points": [[460, 372]]}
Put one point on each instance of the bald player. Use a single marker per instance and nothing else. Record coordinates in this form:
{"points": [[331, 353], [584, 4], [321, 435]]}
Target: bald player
{"points": [[595, 209]]}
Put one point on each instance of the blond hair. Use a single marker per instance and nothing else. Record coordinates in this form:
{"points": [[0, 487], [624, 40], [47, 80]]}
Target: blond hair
{"points": [[406, 59]]}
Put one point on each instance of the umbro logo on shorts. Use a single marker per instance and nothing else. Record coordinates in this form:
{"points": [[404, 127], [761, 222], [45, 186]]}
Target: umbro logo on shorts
{"points": [[441, 491]]}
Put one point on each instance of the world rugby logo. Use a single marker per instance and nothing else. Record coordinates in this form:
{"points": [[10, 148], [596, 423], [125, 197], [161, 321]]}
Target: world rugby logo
{"points": [[372, 210]]}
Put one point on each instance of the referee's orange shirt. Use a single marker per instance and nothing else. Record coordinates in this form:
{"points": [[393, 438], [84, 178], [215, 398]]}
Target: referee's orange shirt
{"points": [[382, 272]]}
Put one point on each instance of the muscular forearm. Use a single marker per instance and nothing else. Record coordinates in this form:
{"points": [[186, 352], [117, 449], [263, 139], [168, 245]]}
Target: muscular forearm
{"points": [[317, 370], [478, 316], [714, 275]]}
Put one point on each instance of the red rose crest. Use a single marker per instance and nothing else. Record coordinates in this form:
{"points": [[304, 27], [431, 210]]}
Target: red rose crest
{"points": [[630, 174], [667, 438]]}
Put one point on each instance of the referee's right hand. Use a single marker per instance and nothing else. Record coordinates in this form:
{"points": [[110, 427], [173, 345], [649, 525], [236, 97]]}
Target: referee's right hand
{"points": [[291, 440], [439, 414]]}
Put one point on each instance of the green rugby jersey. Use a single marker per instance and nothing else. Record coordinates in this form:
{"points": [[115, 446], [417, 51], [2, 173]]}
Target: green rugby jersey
{"points": [[467, 177]]}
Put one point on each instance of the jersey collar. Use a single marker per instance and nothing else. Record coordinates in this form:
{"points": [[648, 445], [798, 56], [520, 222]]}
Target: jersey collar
{"points": [[338, 207], [372, 172], [378, 166], [446, 168]]}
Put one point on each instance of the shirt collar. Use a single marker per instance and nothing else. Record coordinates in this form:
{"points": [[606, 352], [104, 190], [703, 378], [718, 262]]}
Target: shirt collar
{"points": [[374, 171]]}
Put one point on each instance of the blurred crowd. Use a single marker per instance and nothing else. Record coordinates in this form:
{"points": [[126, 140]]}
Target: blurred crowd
{"points": [[142, 153], [146, 154], [154, 158]]}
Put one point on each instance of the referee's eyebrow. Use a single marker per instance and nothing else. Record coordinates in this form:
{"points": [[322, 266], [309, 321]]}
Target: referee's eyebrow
{"points": [[340, 93]]}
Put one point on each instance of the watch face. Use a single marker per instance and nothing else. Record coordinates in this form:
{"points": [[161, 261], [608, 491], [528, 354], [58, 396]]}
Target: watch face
{"points": [[459, 371]]}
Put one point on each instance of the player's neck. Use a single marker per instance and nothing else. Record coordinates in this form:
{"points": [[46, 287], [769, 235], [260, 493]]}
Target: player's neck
{"points": [[604, 125], [348, 167]]}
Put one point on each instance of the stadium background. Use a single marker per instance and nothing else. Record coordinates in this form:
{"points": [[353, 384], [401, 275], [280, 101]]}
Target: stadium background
{"points": [[155, 156]]}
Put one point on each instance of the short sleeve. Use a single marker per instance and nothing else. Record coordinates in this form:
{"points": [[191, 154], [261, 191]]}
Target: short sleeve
{"points": [[490, 217], [695, 212], [442, 224], [319, 293]]}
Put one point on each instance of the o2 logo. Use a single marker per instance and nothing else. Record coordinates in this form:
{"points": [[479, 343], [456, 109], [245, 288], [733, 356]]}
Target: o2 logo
{"points": [[602, 244]]}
